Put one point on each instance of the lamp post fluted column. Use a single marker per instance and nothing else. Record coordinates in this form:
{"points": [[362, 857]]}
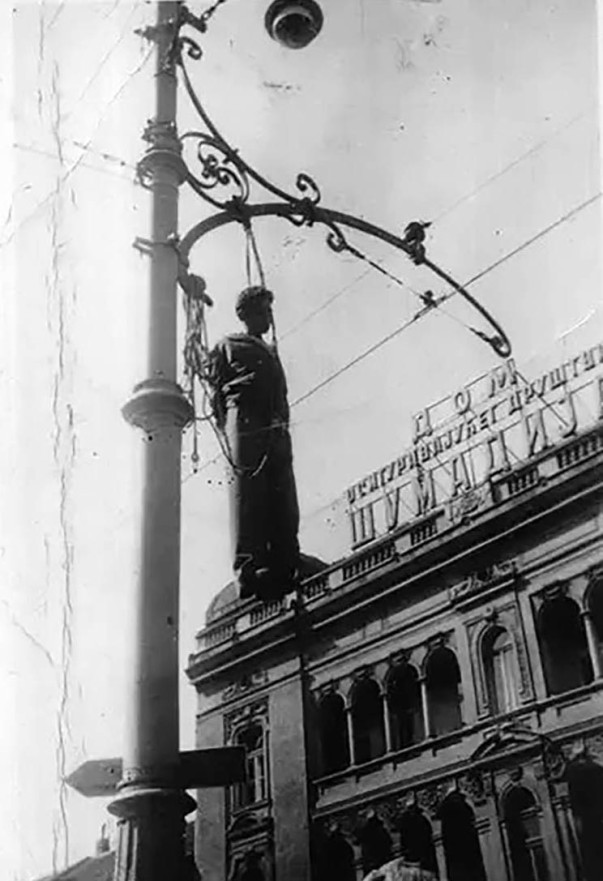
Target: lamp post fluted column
{"points": [[151, 804]]}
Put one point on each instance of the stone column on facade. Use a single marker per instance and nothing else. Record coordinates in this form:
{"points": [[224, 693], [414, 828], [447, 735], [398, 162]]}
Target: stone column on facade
{"points": [[532, 644], [439, 851], [567, 842], [482, 827], [593, 643], [492, 842], [469, 703], [289, 784], [425, 705], [358, 862], [349, 722], [211, 819], [386, 725], [556, 856]]}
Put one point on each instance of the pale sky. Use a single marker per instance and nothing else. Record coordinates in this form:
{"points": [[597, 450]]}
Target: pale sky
{"points": [[479, 116]]}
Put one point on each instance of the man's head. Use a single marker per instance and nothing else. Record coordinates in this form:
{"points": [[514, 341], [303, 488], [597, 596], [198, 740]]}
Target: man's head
{"points": [[254, 309]]}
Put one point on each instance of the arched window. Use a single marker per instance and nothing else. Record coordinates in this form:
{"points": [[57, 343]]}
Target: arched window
{"points": [[564, 648], [367, 721], [442, 676], [526, 850], [498, 657], [334, 858], [376, 845], [416, 839], [585, 785], [255, 787], [335, 748], [404, 706], [460, 840]]}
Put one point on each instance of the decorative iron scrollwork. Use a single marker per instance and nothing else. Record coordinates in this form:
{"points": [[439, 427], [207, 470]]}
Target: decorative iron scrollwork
{"points": [[308, 187], [336, 240], [219, 169], [223, 171], [193, 49]]}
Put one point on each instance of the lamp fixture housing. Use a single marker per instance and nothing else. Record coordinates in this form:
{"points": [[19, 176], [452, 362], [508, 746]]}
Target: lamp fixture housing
{"points": [[293, 23]]}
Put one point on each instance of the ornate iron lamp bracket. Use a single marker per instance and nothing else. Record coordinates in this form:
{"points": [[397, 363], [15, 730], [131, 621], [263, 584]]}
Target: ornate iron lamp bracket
{"points": [[224, 180]]}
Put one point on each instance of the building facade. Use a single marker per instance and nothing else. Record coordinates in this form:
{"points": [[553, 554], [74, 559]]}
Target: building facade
{"points": [[438, 693]]}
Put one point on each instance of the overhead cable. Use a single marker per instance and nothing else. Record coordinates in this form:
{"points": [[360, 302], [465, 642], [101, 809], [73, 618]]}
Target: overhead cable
{"points": [[381, 342]]}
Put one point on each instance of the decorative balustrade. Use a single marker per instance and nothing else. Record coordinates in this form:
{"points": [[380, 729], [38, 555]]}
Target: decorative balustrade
{"points": [[394, 548], [521, 481], [215, 635], [265, 611], [423, 531], [379, 555], [582, 449], [316, 587]]}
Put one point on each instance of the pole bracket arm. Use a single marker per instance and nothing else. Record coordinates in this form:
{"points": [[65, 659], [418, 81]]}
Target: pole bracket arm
{"points": [[227, 182]]}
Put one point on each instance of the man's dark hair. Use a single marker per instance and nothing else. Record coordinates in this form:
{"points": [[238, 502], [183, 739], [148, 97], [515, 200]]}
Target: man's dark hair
{"points": [[250, 297]]}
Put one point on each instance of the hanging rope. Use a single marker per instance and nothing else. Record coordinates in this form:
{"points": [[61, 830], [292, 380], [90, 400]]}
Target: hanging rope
{"points": [[196, 346], [252, 253], [197, 353]]}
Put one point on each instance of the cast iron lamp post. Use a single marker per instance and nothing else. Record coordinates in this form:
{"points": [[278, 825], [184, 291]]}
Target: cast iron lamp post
{"points": [[151, 801]]}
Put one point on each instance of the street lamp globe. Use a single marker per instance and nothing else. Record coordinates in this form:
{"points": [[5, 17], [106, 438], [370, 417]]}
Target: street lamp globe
{"points": [[293, 23]]}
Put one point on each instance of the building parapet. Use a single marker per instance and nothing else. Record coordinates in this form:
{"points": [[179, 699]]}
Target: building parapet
{"points": [[552, 467]]}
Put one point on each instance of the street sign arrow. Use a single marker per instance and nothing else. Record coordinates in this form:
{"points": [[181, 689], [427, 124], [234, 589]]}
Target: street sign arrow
{"points": [[198, 769], [96, 777]]}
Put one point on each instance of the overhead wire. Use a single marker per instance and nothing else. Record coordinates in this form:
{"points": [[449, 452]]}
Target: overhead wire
{"points": [[32, 148], [104, 60], [381, 342], [456, 204], [86, 146], [75, 165], [535, 148], [331, 299], [401, 328], [56, 16], [102, 154], [543, 232]]}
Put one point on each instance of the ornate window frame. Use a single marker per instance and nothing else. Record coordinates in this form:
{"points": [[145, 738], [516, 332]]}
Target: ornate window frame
{"points": [[507, 616]]}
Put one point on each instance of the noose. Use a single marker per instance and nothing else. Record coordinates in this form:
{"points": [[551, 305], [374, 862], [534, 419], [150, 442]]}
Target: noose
{"points": [[252, 255], [196, 345]]}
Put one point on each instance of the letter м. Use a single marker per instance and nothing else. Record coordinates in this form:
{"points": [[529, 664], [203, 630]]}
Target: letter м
{"points": [[424, 490], [502, 376]]}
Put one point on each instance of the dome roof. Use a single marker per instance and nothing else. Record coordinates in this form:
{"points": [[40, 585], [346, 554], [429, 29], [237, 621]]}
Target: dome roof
{"points": [[224, 601], [227, 599]]}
